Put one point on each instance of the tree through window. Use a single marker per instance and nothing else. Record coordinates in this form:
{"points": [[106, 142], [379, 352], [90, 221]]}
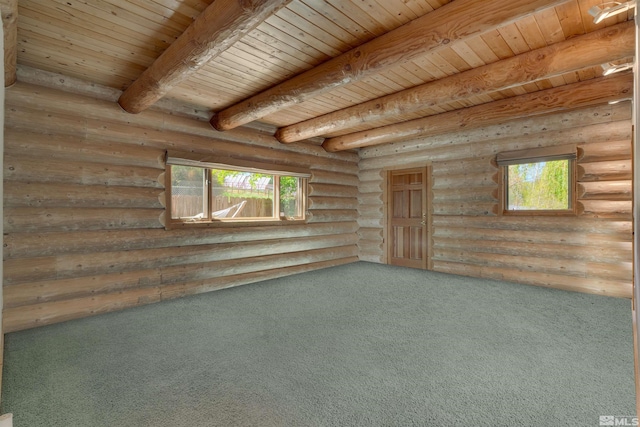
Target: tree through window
{"points": [[537, 181], [206, 192]]}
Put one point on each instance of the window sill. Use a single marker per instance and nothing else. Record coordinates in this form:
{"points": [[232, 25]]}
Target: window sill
{"points": [[233, 223], [540, 213]]}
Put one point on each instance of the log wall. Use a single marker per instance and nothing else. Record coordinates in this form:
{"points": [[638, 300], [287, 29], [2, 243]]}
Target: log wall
{"points": [[590, 252], [84, 209]]}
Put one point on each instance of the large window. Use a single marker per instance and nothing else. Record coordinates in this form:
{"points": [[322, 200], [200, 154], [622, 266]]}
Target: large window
{"points": [[538, 181], [203, 191]]}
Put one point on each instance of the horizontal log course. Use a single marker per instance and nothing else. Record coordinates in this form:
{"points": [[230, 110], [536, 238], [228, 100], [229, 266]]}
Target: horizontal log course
{"points": [[19, 318], [54, 289], [471, 193], [556, 99], [332, 215], [332, 190], [604, 151], [371, 211], [552, 224], [75, 265], [371, 187], [479, 165], [371, 175], [9, 11], [618, 271], [188, 273], [370, 198], [605, 171], [61, 289], [374, 234], [200, 286], [470, 208], [37, 97], [39, 194], [615, 209], [57, 290], [30, 245], [374, 257], [370, 246], [440, 148], [374, 252], [333, 203], [598, 118], [523, 263], [542, 250], [620, 241], [605, 190], [329, 177], [128, 132], [70, 219], [71, 172], [464, 180], [80, 149], [615, 288], [371, 222]]}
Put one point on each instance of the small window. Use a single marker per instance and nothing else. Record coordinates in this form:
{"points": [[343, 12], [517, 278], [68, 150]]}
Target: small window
{"points": [[204, 191], [538, 181]]}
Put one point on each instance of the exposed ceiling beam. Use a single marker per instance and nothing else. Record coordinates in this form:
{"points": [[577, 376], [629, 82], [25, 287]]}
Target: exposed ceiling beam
{"points": [[576, 95], [9, 11], [608, 44], [216, 29], [457, 20]]}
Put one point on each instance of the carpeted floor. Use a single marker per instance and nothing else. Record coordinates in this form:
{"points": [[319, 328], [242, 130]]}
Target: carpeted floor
{"points": [[356, 345]]}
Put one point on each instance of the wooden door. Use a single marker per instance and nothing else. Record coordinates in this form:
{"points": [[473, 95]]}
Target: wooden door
{"points": [[407, 218]]}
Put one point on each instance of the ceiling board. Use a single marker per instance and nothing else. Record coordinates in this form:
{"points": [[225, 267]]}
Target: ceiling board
{"points": [[111, 42]]}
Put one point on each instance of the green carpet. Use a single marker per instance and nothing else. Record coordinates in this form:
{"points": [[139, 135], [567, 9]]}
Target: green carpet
{"points": [[356, 345]]}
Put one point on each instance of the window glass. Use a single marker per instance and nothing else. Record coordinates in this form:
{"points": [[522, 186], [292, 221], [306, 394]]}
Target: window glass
{"points": [[187, 192], [538, 186], [237, 194], [211, 192], [290, 199]]}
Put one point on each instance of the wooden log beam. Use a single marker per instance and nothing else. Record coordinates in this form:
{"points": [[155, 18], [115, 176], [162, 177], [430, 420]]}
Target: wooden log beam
{"points": [[446, 146], [9, 12], [576, 95], [597, 123], [608, 44], [216, 29], [436, 30]]}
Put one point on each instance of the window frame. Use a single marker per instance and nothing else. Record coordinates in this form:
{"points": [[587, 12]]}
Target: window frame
{"points": [[209, 162], [537, 155]]}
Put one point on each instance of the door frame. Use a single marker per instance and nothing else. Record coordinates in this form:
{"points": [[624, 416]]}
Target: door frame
{"points": [[386, 200]]}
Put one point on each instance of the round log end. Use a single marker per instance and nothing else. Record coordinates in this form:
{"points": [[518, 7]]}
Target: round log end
{"points": [[216, 123], [282, 136]]}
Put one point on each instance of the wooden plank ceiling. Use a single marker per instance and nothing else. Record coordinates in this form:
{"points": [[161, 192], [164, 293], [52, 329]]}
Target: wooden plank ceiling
{"points": [[112, 42]]}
